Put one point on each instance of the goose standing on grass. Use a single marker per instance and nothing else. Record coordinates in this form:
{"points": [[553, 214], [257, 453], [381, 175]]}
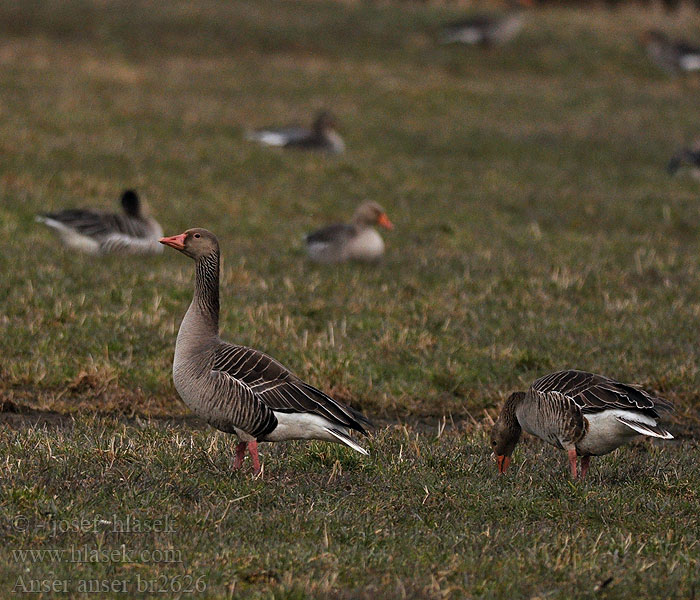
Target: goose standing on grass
{"points": [[97, 232], [240, 390], [689, 157], [671, 55], [487, 30], [582, 413], [357, 240], [322, 136]]}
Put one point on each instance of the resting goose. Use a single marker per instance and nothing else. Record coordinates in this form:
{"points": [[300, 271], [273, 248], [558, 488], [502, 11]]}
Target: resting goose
{"points": [[97, 232], [487, 30], [321, 136], [582, 413], [357, 240], [240, 390], [686, 157], [671, 55]]}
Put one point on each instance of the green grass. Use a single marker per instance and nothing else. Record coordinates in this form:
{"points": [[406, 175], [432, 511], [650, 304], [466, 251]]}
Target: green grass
{"points": [[425, 516], [536, 229]]}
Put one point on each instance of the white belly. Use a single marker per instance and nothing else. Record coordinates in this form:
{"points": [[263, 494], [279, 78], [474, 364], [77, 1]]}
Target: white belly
{"points": [[302, 426], [367, 245], [605, 432]]}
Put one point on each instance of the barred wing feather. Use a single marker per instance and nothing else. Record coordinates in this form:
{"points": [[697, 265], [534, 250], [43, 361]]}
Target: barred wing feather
{"points": [[98, 224], [594, 393], [279, 389]]}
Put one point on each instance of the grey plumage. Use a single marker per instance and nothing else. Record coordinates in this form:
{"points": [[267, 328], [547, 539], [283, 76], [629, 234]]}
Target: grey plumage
{"points": [[483, 30], [583, 413], [673, 56], [487, 30], [357, 240], [594, 393], [321, 136], [689, 157], [99, 232], [239, 389]]}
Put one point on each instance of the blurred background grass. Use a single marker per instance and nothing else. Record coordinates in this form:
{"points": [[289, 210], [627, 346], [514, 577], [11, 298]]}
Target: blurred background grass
{"points": [[536, 229], [536, 226]]}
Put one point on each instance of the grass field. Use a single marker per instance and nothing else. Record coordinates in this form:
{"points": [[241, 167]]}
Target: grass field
{"points": [[536, 229]]}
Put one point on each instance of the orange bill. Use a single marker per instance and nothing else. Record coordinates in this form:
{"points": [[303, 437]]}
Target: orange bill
{"points": [[175, 241], [384, 221]]}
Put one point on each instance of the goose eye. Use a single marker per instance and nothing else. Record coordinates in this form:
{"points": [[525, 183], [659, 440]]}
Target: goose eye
{"points": [[197, 235], [493, 443]]}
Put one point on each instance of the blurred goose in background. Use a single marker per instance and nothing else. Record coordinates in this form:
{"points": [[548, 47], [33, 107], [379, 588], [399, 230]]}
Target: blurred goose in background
{"points": [[357, 240], [98, 232], [671, 55], [240, 390], [487, 30], [582, 413], [689, 157], [322, 136]]}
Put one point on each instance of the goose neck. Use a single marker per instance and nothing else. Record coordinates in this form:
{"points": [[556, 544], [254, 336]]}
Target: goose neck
{"points": [[509, 412], [206, 291]]}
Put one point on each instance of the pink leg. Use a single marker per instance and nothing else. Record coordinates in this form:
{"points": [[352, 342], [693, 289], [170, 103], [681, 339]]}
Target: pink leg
{"points": [[240, 455], [572, 462], [253, 449], [585, 463]]}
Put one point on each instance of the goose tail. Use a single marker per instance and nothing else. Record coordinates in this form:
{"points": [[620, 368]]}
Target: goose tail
{"points": [[646, 428], [345, 439]]}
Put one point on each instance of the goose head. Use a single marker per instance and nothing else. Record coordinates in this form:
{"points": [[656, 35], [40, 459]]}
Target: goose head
{"points": [[506, 432], [324, 122], [196, 243], [131, 203], [370, 213]]}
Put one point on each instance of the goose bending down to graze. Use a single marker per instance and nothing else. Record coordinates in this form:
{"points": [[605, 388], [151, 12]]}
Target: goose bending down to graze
{"points": [[321, 136], [357, 240], [582, 413], [671, 55], [240, 390], [487, 30], [689, 157], [97, 232]]}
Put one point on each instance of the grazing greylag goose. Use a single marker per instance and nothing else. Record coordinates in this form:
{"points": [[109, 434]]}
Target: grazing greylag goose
{"points": [[689, 157], [357, 240], [671, 55], [240, 390], [97, 232], [582, 413], [487, 30], [321, 136]]}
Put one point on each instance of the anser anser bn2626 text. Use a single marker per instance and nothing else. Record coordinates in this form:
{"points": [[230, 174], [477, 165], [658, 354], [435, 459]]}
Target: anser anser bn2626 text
{"points": [[582, 413], [240, 390], [97, 232]]}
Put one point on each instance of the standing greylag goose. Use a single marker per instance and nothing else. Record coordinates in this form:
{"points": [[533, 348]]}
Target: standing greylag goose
{"points": [[357, 240], [686, 157], [671, 55], [240, 390], [321, 136], [582, 413], [97, 232], [487, 30]]}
